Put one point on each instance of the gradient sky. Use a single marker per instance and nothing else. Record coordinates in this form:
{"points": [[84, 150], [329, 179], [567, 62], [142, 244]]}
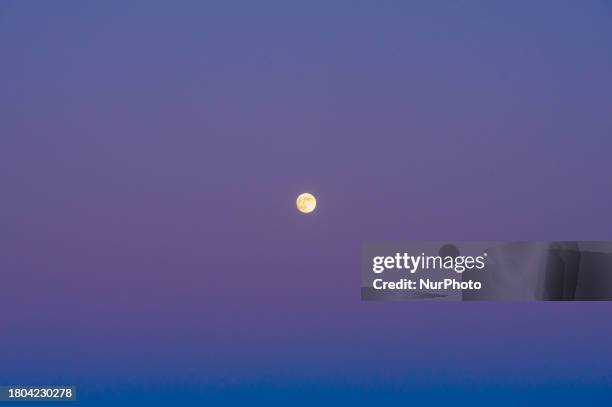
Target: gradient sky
{"points": [[151, 153]]}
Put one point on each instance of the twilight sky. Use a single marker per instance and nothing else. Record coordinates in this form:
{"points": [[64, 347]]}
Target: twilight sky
{"points": [[151, 153]]}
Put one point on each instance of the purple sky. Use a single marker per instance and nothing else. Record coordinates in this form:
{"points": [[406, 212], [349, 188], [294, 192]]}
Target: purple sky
{"points": [[151, 153]]}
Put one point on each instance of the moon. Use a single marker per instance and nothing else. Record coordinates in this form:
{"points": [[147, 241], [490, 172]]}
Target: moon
{"points": [[306, 203]]}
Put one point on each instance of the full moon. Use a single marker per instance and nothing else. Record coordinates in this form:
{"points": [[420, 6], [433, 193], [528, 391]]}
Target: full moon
{"points": [[306, 203]]}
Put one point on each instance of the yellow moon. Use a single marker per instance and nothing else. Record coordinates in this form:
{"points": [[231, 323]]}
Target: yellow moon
{"points": [[306, 203]]}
